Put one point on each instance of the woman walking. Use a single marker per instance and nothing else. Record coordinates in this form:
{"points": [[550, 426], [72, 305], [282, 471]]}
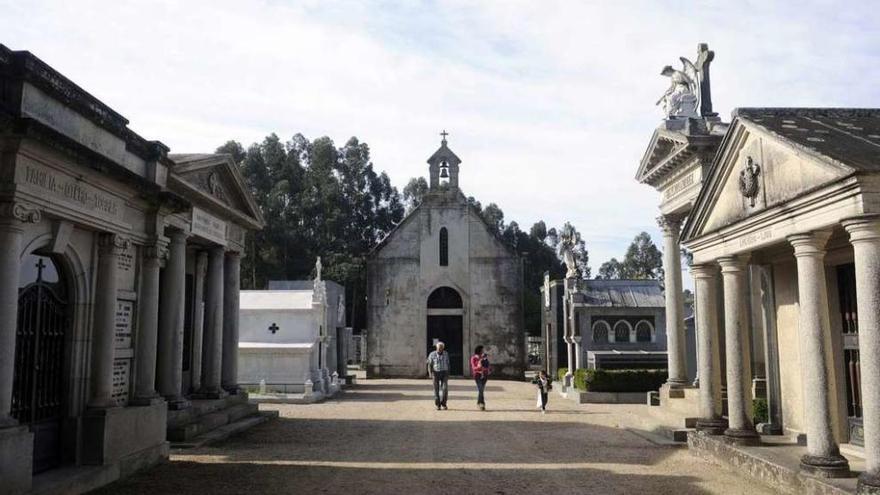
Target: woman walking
{"points": [[542, 381], [480, 371]]}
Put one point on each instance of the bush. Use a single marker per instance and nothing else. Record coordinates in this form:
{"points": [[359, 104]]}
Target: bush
{"points": [[759, 411], [619, 380], [560, 374]]}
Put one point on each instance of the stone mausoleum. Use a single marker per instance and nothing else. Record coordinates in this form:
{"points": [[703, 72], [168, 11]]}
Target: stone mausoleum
{"points": [[119, 280], [443, 274]]}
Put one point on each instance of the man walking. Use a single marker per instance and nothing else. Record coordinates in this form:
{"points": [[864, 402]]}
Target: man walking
{"points": [[438, 368]]}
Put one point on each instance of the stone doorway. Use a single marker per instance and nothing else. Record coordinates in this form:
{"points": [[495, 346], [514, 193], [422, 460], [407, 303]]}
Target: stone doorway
{"points": [[446, 324], [38, 394]]}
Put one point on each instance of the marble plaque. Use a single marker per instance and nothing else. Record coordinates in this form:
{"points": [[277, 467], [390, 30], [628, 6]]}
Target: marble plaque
{"points": [[125, 269], [121, 380], [208, 226], [74, 193], [124, 314]]}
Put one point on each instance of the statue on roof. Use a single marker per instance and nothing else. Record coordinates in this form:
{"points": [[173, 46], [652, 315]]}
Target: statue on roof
{"points": [[689, 93], [568, 241]]}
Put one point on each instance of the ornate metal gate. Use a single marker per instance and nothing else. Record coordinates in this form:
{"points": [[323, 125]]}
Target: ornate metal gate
{"points": [[846, 286], [38, 389]]}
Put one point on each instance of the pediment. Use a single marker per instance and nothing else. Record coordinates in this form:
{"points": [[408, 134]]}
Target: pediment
{"points": [[217, 181], [754, 171], [676, 142]]}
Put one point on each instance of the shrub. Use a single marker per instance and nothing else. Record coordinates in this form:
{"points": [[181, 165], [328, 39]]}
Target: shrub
{"points": [[560, 374], [759, 410], [619, 380]]}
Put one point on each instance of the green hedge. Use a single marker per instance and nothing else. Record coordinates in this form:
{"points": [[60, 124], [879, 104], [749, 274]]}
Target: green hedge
{"points": [[619, 380], [560, 374], [760, 411]]}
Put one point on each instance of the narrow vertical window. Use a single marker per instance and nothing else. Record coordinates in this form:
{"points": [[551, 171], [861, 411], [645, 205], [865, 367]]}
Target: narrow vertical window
{"points": [[444, 247]]}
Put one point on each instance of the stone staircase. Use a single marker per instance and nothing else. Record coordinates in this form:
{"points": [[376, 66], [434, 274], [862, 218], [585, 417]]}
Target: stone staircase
{"points": [[211, 420]]}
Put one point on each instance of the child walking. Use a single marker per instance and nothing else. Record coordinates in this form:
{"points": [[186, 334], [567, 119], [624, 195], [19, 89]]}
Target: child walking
{"points": [[544, 385]]}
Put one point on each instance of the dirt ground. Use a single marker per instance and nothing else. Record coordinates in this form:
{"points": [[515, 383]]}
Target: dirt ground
{"points": [[385, 437]]}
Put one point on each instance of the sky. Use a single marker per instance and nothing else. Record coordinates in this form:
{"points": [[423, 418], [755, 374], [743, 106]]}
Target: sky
{"points": [[550, 105]]}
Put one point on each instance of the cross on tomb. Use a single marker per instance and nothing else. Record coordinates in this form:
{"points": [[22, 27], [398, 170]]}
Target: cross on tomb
{"points": [[274, 328], [40, 266], [444, 134]]}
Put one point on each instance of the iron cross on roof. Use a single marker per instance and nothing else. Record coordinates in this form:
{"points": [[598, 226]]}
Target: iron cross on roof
{"points": [[274, 328], [444, 134]]}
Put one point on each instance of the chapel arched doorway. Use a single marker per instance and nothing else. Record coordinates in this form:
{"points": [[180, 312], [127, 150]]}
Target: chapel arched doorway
{"points": [[446, 324], [38, 391]]}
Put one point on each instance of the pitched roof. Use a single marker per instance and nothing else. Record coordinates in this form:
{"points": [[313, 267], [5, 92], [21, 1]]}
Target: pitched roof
{"points": [[622, 293], [850, 136]]}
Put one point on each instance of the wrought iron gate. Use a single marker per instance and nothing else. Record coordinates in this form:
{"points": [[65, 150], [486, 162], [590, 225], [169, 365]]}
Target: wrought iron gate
{"points": [[846, 286], [38, 389]]}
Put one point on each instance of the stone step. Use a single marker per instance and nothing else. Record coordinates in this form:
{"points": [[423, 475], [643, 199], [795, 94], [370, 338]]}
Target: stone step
{"points": [[200, 407], [225, 431], [202, 424]]}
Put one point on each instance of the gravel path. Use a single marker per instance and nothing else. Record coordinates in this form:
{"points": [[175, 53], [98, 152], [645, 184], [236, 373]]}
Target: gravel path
{"points": [[385, 437]]}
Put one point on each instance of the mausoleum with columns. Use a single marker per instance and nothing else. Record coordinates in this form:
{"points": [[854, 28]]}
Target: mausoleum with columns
{"points": [[119, 282]]}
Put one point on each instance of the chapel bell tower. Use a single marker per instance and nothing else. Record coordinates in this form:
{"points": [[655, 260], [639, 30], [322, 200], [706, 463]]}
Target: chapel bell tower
{"points": [[443, 168]]}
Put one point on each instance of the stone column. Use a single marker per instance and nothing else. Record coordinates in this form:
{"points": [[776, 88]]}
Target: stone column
{"points": [[675, 335], [823, 455], [577, 351], [104, 323], [169, 377], [12, 218], [739, 400], [864, 234], [198, 320], [708, 361], [148, 326], [213, 339], [569, 343], [231, 289]]}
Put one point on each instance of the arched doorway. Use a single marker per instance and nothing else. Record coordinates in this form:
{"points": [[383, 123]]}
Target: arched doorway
{"points": [[38, 391], [445, 324]]}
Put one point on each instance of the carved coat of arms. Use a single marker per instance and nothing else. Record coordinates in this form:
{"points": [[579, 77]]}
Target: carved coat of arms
{"points": [[748, 181]]}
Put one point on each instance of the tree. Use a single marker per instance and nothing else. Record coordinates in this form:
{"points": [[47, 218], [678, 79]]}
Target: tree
{"points": [[413, 193], [642, 261], [235, 149], [611, 269], [493, 215]]}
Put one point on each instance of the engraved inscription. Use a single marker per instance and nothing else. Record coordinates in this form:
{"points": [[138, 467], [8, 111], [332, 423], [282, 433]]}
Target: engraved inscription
{"points": [[755, 238], [121, 373], [678, 186], [72, 192], [124, 311], [208, 226]]}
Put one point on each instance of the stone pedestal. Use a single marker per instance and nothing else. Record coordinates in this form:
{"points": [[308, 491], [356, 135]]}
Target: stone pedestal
{"points": [[823, 455], [16, 459], [865, 237], [739, 401], [675, 334]]}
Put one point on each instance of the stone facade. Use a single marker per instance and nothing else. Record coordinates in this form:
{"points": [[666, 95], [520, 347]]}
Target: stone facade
{"points": [[444, 252], [100, 235]]}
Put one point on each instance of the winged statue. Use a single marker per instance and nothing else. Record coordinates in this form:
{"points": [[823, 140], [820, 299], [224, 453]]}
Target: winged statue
{"points": [[568, 241], [682, 98]]}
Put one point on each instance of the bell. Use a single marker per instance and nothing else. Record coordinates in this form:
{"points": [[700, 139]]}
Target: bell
{"points": [[444, 173]]}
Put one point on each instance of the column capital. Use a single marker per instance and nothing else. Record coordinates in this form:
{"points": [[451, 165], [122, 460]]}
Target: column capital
{"points": [[669, 225], [704, 271], [809, 243], [733, 264], [113, 244], [19, 211], [155, 251], [177, 235], [863, 229]]}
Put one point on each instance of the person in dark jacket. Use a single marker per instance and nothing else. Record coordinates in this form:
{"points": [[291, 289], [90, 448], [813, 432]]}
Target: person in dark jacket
{"points": [[480, 370], [544, 384]]}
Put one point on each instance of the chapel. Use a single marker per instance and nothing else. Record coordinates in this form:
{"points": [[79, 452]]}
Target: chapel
{"points": [[443, 274]]}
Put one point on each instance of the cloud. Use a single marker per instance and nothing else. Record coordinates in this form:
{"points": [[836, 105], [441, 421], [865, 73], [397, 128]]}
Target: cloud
{"points": [[550, 104]]}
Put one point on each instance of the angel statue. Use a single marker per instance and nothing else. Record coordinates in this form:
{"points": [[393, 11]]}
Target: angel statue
{"points": [[568, 240], [682, 99]]}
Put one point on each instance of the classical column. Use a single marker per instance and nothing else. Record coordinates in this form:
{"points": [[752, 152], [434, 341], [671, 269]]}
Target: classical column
{"points": [[864, 234], [675, 336], [213, 339], [569, 343], [231, 288], [12, 218], [104, 322], [739, 401], [169, 377], [577, 351], [198, 320], [148, 326], [823, 455], [708, 361]]}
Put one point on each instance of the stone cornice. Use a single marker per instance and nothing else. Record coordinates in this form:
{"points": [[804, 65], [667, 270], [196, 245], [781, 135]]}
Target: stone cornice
{"points": [[113, 244]]}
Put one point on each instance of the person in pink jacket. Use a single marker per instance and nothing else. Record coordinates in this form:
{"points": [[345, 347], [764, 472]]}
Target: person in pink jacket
{"points": [[480, 370]]}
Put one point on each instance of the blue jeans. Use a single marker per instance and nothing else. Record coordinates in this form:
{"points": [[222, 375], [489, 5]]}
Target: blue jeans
{"points": [[481, 386], [441, 387]]}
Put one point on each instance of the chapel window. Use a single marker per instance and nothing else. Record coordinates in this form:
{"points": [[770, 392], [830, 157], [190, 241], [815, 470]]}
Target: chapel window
{"points": [[621, 331], [444, 247], [644, 332], [600, 331]]}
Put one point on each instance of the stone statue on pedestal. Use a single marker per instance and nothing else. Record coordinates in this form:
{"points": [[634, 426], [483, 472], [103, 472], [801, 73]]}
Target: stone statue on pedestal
{"points": [[689, 93], [568, 240]]}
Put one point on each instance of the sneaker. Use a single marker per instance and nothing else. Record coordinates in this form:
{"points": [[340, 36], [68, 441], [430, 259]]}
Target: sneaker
{"points": [[438, 408], [444, 407]]}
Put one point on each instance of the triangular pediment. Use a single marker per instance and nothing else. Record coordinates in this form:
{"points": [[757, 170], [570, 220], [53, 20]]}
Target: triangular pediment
{"points": [[753, 171], [214, 179], [673, 143]]}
